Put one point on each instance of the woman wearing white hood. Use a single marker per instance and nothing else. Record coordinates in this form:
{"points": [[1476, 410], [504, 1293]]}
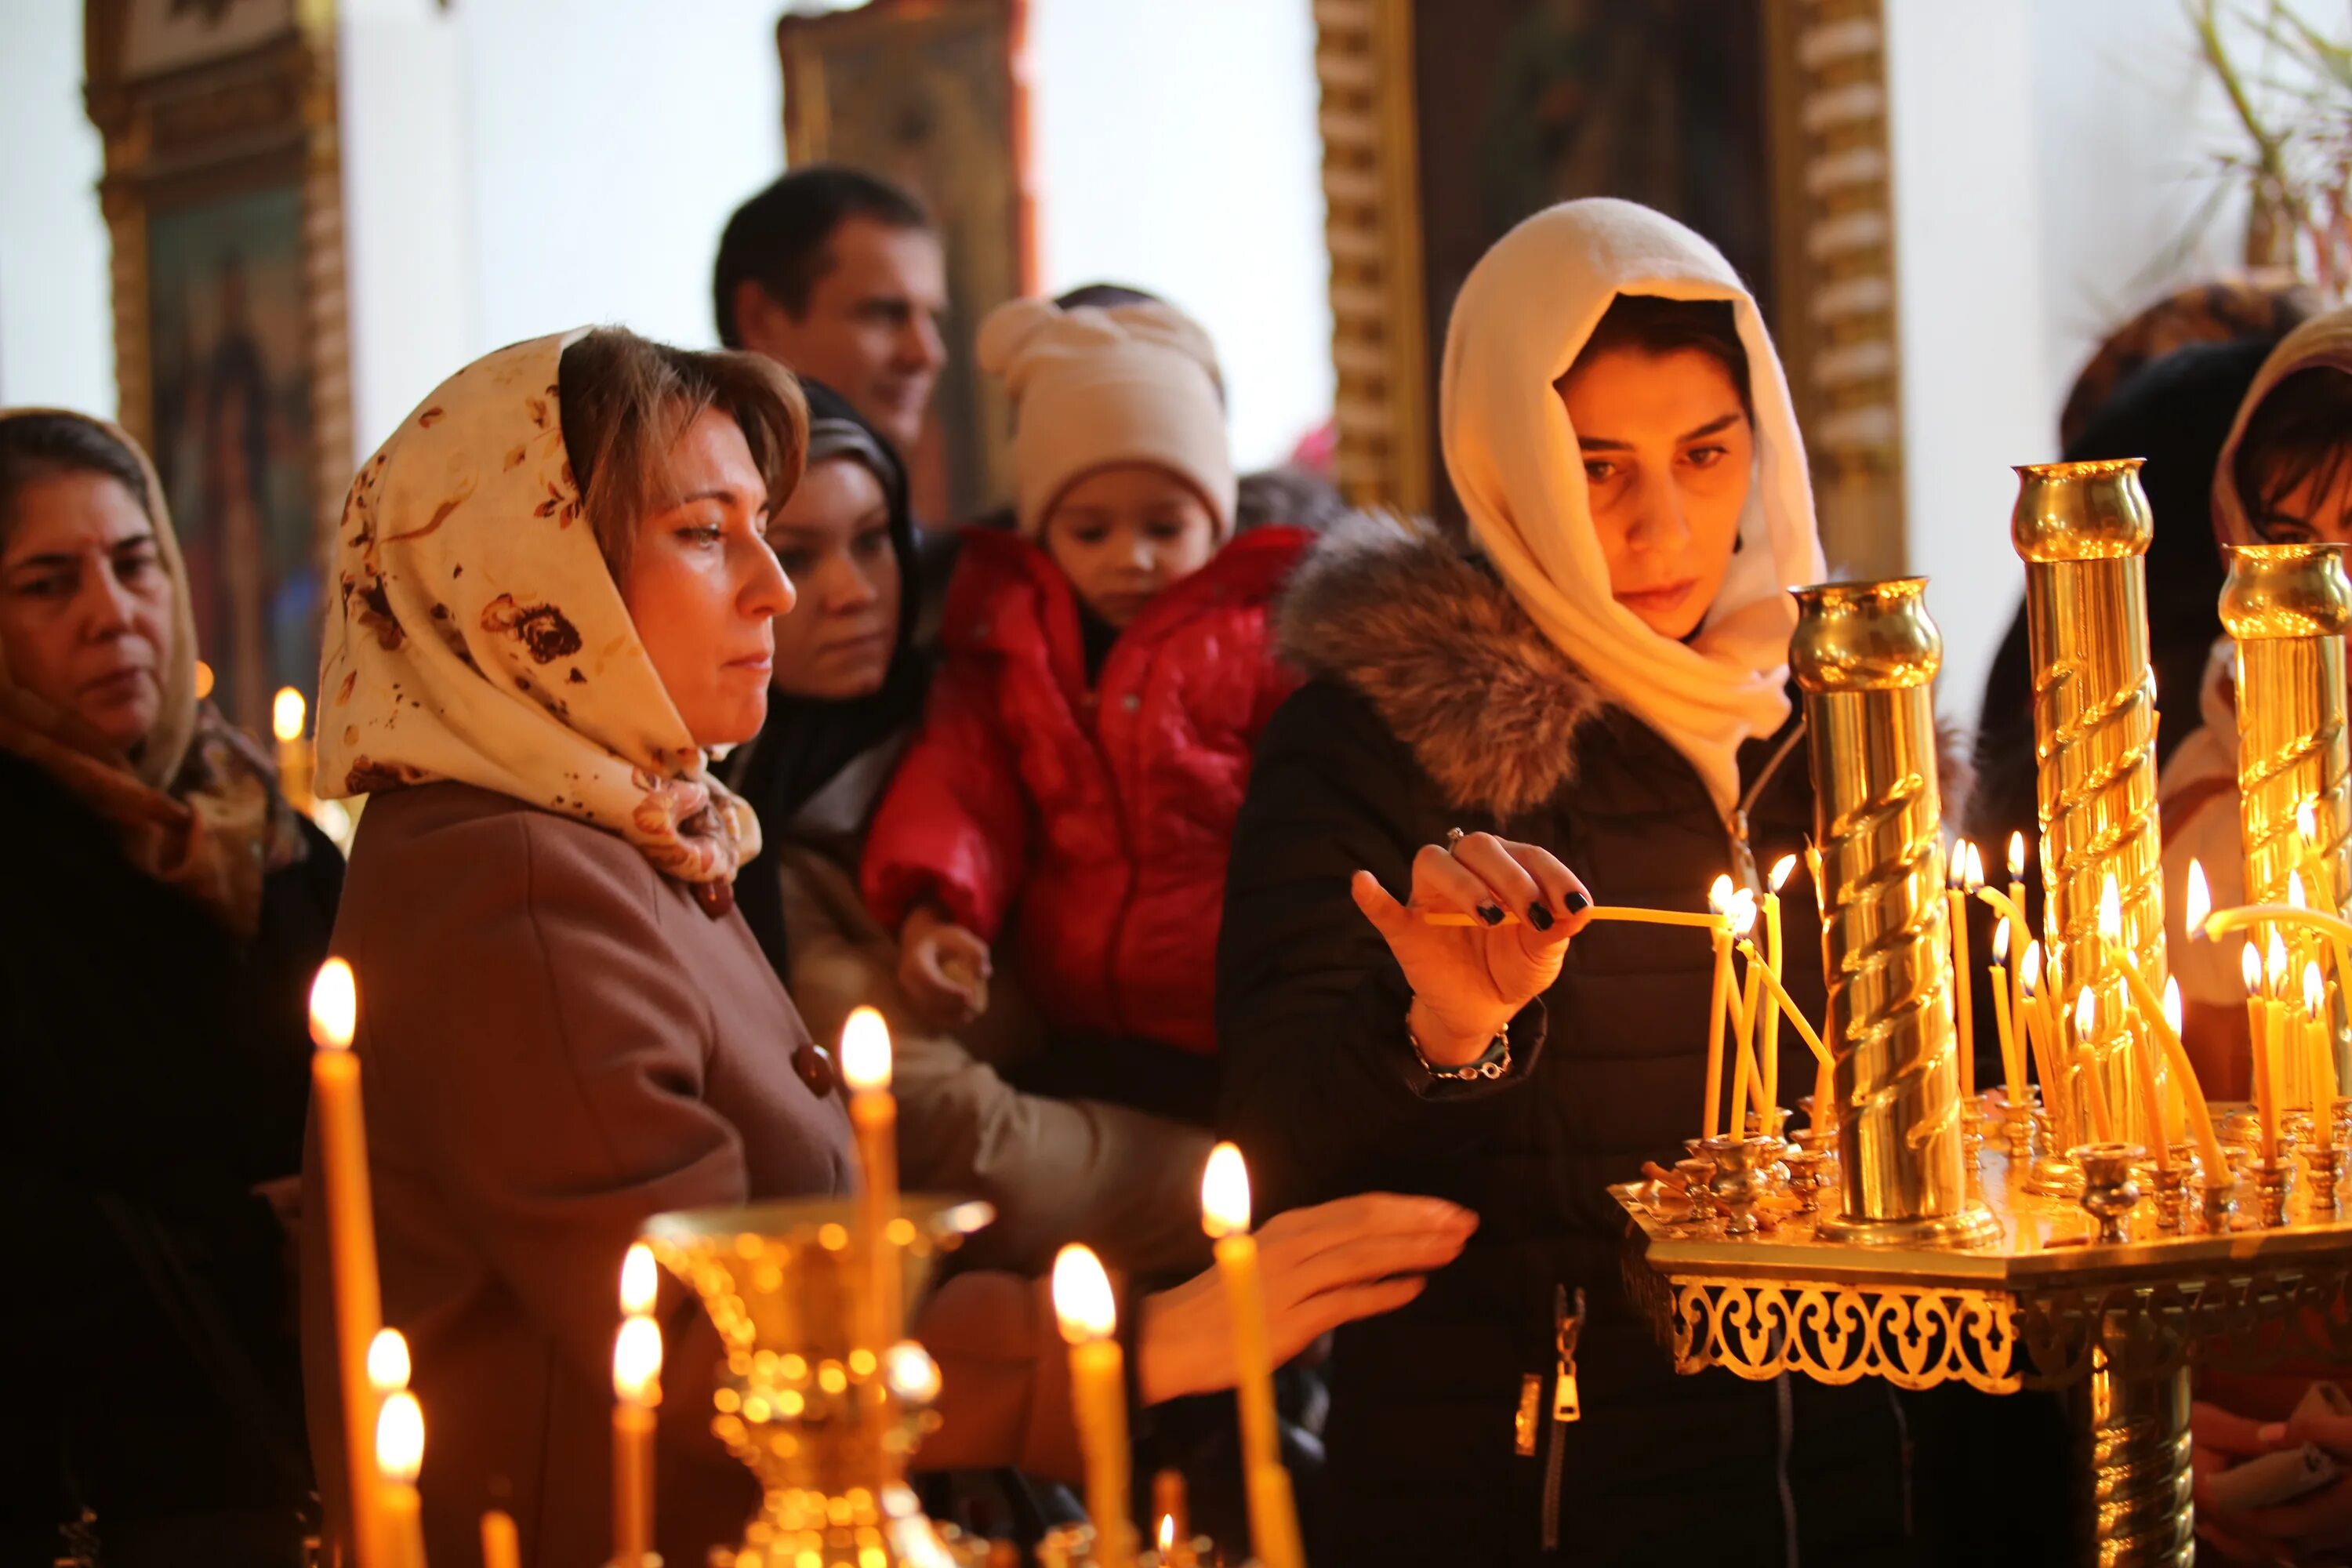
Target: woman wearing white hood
{"points": [[1600, 681]]}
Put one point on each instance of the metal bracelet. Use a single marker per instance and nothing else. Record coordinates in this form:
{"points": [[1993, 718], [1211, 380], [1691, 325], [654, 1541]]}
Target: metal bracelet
{"points": [[1493, 1063]]}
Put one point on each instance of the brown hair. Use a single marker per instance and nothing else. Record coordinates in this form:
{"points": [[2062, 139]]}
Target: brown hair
{"points": [[35, 447], [1652, 325], [2300, 431], [624, 399]]}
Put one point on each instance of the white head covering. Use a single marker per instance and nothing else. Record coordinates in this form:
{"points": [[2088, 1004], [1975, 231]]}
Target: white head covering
{"points": [[1523, 316], [1090, 387], [480, 637], [2324, 341]]}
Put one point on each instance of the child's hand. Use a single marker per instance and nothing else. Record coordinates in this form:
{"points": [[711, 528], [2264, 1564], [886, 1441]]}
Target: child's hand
{"points": [[943, 968]]}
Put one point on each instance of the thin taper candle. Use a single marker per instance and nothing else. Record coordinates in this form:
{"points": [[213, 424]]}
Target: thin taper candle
{"points": [[337, 1107], [866, 1068], [1090, 1317], [1719, 1001], [1226, 1215], [1775, 959]]}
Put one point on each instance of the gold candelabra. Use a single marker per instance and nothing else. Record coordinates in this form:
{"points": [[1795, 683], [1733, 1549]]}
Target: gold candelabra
{"points": [[1865, 656], [2082, 530], [2287, 608]]}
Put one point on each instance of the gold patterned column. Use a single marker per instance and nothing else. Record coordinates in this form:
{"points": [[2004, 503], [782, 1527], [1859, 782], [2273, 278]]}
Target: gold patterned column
{"points": [[2288, 607], [2083, 530], [1865, 656]]}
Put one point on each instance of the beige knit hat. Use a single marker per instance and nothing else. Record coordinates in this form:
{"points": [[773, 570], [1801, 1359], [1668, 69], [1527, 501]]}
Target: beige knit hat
{"points": [[1090, 387]]}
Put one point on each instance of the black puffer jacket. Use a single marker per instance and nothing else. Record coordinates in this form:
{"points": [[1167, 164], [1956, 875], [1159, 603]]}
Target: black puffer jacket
{"points": [[1436, 704]]}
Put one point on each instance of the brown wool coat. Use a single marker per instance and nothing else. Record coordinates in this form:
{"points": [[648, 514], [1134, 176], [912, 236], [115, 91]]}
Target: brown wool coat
{"points": [[558, 1043]]}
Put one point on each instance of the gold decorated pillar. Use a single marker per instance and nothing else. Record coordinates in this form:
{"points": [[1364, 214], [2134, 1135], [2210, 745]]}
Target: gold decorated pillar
{"points": [[2287, 608], [1866, 655], [2083, 530]]}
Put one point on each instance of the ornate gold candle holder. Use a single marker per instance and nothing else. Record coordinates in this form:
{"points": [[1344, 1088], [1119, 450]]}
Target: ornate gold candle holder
{"points": [[2110, 1187], [1865, 656], [2082, 530], [823, 1420]]}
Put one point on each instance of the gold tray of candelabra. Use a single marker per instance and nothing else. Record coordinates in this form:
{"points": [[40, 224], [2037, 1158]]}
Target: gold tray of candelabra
{"points": [[2026, 1309]]}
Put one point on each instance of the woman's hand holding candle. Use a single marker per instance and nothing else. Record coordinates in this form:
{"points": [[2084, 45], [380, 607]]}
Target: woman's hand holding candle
{"points": [[1469, 982]]}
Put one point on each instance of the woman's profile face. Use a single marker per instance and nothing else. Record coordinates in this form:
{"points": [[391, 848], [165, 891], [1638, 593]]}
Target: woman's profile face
{"points": [[1668, 450], [833, 536], [86, 603], [704, 589]]}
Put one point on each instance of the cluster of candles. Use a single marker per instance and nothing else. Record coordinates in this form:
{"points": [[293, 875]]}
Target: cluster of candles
{"points": [[384, 1426]]}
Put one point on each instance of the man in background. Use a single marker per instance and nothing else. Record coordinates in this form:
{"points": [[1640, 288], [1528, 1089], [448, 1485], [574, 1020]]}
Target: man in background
{"points": [[839, 276]]}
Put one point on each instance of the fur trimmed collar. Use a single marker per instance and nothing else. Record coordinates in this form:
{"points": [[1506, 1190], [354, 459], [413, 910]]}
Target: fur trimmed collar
{"points": [[1489, 707]]}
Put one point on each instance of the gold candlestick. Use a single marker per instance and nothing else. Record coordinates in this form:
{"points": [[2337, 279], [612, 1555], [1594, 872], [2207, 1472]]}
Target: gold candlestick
{"points": [[2083, 530], [2288, 608], [1866, 655]]}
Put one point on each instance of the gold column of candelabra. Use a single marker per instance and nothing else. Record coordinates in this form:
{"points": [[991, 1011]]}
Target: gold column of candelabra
{"points": [[1865, 656], [824, 1419], [2082, 530], [2287, 608]]}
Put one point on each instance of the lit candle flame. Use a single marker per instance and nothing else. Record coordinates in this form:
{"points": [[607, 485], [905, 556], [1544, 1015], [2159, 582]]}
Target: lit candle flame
{"points": [[2017, 856], [2250, 969], [287, 715], [2307, 823], [1167, 1535], [2029, 972], [334, 1007], [1742, 913], [2315, 991], [2111, 910], [387, 1362], [1082, 1297], [2172, 1004], [911, 1373], [204, 681], [2000, 940], [2294, 896], [1225, 1194], [1719, 895], [1976, 867], [866, 1052], [2086, 1014], [637, 1361], [1780, 870], [400, 1439], [2200, 900], [2275, 964], [639, 1282]]}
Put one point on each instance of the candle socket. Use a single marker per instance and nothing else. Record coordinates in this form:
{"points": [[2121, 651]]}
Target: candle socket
{"points": [[1739, 1181], [2273, 1183], [2296, 1129], [2053, 1175], [2019, 1124], [2109, 1192], [1809, 1161], [2323, 1177], [1778, 1121], [2169, 1183], [2241, 1128], [1698, 1184], [2217, 1202]]}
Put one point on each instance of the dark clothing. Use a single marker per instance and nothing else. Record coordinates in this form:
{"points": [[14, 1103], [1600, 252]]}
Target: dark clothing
{"points": [[156, 1071], [1435, 700]]}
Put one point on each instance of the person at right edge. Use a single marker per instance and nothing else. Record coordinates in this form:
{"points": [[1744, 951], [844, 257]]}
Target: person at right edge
{"points": [[1600, 681]]}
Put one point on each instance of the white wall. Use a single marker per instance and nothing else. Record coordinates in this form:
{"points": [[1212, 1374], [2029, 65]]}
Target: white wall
{"points": [[57, 330], [1176, 150]]}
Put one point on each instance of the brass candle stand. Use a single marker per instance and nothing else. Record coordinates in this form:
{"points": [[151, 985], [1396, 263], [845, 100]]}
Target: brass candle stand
{"points": [[2082, 530], [825, 1421]]}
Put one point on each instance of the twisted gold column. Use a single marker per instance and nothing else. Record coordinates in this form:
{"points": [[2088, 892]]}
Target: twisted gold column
{"points": [[2131, 1466], [2083, 530], [2288, 607], [1865, 656]]}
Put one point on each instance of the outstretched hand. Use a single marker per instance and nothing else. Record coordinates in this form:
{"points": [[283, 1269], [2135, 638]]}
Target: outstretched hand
{"points": [[1468, 983], [1320, 1267], [2313, 1527]]}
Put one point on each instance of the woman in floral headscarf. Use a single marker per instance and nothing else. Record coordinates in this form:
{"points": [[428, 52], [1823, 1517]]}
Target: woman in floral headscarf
{"points": [[165, 908], [555, 605]]}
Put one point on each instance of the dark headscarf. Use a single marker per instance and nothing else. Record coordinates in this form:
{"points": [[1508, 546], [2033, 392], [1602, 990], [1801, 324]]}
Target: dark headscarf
{"points": [[807, 741]]}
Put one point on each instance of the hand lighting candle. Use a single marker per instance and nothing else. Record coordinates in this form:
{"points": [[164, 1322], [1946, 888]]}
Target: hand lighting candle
{"points": [[351, 1233], [399, 1449], [874, 1117], [1226, 1215], [636, 1389], [1089, 1317]]}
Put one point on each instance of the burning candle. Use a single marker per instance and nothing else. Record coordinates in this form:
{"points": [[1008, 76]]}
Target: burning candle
{"points": [[2319, 1054], [1775, 959], [2012, 1069], [2086, 1022], [1082, 1300], [351, 1232], [1174, 1512], [1719, 898], [1226, 1215], [399, 1449], [874, 1117], [288, 717], [2262, 1016], [2017, 878], [2033, 1008], [1747, 1087], [1956, 905], [636, 1389], [501, 1548]]}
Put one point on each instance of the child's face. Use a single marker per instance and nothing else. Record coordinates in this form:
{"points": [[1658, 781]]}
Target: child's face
{"points": [[1123, 533]]}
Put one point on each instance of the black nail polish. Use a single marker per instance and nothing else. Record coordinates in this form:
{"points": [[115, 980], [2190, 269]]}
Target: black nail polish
{"points": [[1491, 913], [1538, 916], [1577, 902]]}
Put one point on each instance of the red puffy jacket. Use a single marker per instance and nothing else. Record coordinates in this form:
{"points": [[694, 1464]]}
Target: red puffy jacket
{"points": [[1105, 816]]}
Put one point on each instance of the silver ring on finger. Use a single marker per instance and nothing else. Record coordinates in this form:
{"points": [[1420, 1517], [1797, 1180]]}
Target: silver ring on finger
{"points": [[1453, 836]]}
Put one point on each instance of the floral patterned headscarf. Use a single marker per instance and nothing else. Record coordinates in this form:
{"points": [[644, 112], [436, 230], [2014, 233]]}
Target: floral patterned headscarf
{"points": [[480, 637]]}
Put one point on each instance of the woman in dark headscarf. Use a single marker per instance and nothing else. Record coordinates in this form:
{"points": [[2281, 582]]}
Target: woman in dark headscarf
{"points": [[165, 909], [851, 678]]}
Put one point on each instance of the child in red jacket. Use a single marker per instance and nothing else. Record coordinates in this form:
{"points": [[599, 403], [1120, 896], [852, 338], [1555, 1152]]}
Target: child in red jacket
{"points": [[1106, 674]]}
